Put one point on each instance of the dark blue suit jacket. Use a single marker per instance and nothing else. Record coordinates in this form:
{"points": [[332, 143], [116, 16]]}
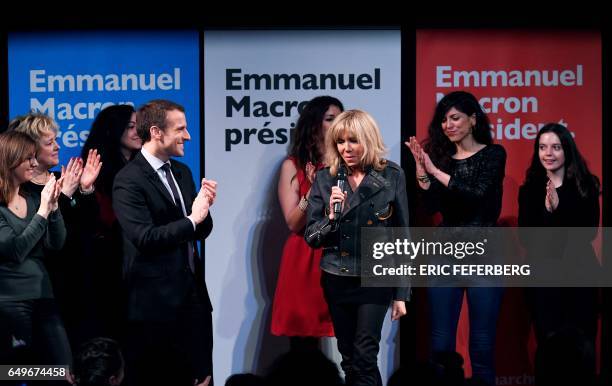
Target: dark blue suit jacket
{"points": [[156, 237]]}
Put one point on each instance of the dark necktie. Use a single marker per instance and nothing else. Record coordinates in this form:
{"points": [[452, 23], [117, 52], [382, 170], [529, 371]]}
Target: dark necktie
{"points": [[173, 188], [177, 202]]}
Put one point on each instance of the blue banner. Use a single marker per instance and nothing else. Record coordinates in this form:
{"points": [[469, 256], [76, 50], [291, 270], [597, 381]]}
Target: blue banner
{"points": [[72, 75]]}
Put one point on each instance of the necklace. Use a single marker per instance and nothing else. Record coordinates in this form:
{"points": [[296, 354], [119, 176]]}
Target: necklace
{"points": [[15, 206], [37, 179]]}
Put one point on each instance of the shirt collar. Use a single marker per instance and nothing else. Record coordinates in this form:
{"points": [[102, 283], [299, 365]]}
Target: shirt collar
{"points": [[155, 162]]}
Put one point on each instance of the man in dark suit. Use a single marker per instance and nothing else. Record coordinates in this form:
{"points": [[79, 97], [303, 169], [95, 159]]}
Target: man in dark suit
{"points": [[169, 312]]}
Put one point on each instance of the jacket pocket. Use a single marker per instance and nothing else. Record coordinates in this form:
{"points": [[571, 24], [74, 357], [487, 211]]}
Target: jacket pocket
{"points": [[384, 213]]}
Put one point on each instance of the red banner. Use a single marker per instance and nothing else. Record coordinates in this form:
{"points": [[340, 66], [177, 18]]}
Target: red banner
{"points": [[523, 80]]}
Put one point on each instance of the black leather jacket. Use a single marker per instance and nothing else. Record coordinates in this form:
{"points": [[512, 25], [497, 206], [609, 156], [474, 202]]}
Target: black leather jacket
{"points": [[379, 201]]}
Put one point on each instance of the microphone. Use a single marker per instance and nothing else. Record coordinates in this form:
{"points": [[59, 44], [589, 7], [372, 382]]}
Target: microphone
{"points": [[341, 183]]}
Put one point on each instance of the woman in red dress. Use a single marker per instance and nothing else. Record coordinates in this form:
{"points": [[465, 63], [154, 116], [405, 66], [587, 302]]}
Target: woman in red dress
{"points": [[299, 310]]}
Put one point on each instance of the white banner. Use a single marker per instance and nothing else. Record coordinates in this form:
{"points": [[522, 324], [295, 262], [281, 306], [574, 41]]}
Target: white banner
{"points": [[255, 84]]}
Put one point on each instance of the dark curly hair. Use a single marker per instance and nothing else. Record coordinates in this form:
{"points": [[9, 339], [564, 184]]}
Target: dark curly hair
{"points": [[304, 147], [576, 170], [437, 145]]}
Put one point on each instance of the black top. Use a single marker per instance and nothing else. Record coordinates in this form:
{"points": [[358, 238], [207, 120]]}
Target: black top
{"points": [[474, 193], [23, 242], [560, 247], [573, 210], [78, 210], [67, 267]]}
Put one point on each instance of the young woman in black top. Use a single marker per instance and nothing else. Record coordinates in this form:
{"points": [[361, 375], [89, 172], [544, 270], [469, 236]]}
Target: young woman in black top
{"points": [[460, 172], [560, 191]]}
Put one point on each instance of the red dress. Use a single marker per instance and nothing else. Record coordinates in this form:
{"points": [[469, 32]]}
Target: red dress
{"points": [[299, 308]]}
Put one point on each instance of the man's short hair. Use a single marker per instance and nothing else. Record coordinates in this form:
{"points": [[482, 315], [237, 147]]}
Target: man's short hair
{"points": [[154, 113]]}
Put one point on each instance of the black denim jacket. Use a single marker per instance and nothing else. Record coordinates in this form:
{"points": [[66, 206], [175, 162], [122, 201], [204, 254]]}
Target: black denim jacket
{"points": [[379, 201]]}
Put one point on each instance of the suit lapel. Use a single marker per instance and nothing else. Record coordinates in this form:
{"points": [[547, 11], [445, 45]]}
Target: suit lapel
{"points": [[153, 177], [372, 183]]}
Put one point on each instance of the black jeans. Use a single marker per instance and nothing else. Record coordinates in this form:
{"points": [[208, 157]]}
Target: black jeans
{"points": [[358, 328], [357, 314], [31, 332]]}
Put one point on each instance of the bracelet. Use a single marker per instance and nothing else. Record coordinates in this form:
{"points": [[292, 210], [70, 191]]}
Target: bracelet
{"points": [[87, 192], [424, 178], [303, 205]]}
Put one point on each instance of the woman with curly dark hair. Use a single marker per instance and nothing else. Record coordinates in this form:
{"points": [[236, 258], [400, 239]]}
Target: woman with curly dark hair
{"points": [[460, 172], [299, 310]]}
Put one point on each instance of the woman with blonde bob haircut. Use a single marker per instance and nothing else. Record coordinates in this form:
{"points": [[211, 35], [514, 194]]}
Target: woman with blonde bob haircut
{"points": [[79, 177], [374, 196], [362, 127], [34, 124]]}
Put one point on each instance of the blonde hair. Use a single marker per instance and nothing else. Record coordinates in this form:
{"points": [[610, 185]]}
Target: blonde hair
{"points": [[359, 125], [34, 124], [15, 147]]}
